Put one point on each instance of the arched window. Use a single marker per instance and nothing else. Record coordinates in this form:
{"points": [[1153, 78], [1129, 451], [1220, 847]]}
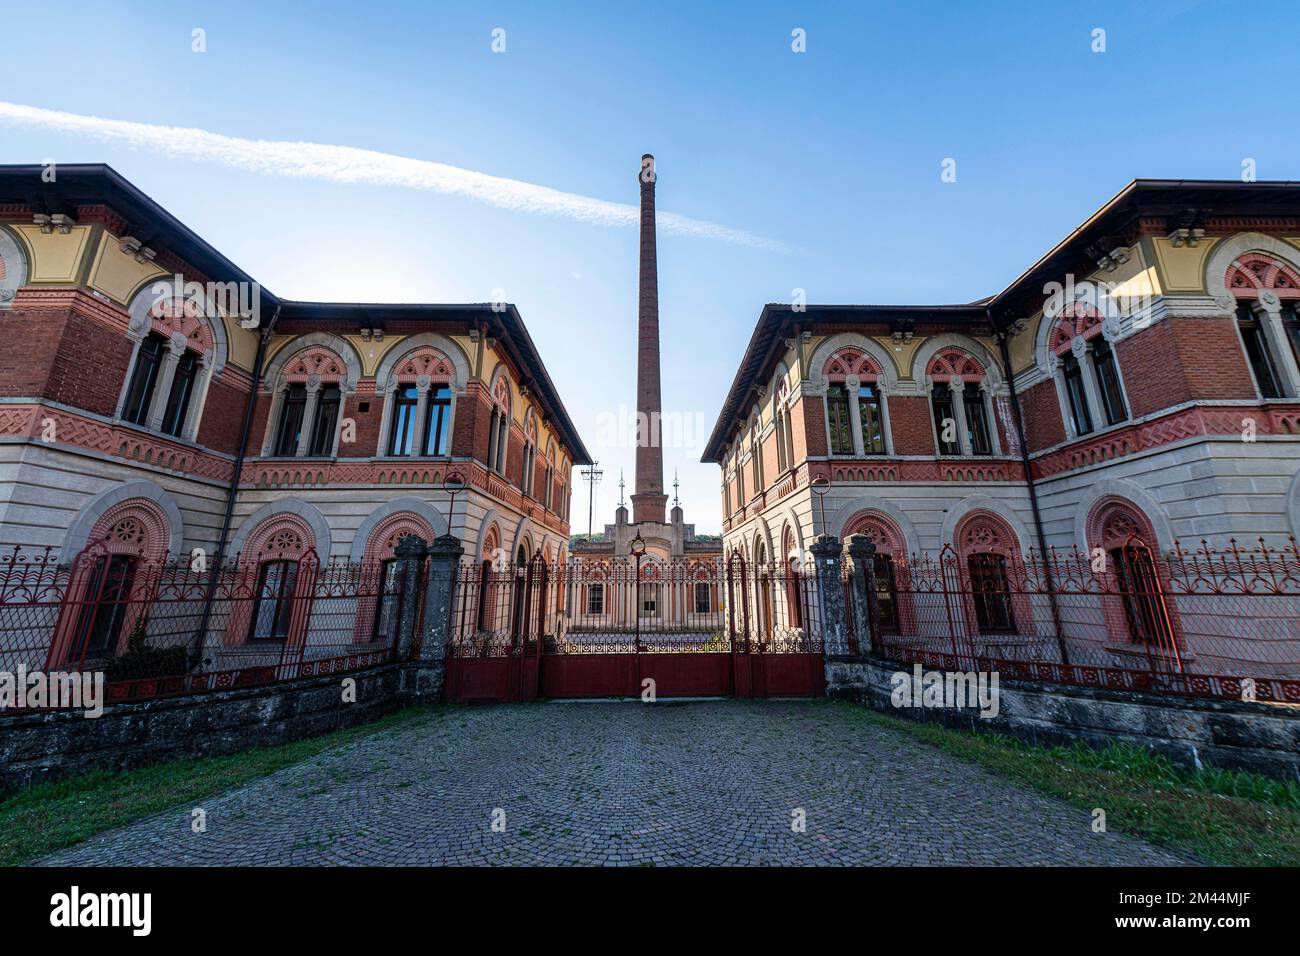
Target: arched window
{"points": [[499, 425], [530, 454], [1144, 613], [13, 269], [548, 489], [959, 399], [492, 559], [113, 579], [895, 610], [756, 450], [379, 609], [171, 365], [741, 499], [783, 429], [855, 409], [279, 562], [1267, 291], [1087, 371], [419, 404], [792, 570], [990, 561], [305, 412]]}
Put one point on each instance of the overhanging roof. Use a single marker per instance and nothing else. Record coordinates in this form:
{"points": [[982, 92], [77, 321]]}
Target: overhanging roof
{"points": [[88, 184], [1181, 201]]}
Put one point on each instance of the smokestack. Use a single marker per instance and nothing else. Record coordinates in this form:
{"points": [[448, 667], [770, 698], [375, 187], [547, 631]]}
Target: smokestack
{"points": [[648, 500]]}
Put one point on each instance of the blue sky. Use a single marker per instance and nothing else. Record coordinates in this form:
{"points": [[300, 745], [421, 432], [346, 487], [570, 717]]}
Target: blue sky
{"points": [[833, 155]]}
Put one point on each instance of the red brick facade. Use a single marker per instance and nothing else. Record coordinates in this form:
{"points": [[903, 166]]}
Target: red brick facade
{"points": [[909, 424], [1181, 360]]}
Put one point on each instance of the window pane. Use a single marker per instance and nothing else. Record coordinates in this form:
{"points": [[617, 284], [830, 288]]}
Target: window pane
{"points": [[436, 438], [991, 593], [401, 438], [388, 613], [327, 416], [1112, 396], [886, 594], [1077, 396], [1291, 322], [945, 419], [702, 604], [295, 400], [1261, 361], [274, 608], [178, 402], [873, 427], [1144, 604], [139, 394], [108, 597], [837, 409], [977, 422]]}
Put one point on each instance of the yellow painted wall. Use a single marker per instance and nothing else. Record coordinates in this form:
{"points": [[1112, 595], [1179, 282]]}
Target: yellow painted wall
{"points": [[117, 274], [53, 257]]}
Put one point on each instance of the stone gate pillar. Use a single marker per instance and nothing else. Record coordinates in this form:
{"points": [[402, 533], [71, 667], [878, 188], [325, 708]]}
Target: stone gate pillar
{"points": [[428, 665], [865, 620], [830, 591]]}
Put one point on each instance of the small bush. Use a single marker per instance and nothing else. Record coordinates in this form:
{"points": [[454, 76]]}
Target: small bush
{"points": [[141, 660]]}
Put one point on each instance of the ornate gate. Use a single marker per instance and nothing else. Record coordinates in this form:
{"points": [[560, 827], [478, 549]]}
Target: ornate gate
{"points": [[628, 628]]}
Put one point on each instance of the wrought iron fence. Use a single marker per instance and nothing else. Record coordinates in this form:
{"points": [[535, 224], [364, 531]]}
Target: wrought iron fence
{"points": [[1209, 622], [157, 628], [622, 606]]}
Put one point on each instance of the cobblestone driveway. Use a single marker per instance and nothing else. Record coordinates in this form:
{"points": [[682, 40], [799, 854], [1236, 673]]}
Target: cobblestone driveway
{"points": [[627, 784]]}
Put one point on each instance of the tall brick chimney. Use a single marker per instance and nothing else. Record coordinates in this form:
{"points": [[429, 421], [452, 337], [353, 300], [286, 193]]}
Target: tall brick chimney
{"points": [[649, 500]]}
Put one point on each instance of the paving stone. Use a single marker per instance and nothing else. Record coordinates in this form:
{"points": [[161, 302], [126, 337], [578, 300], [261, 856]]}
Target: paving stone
{"points": [[627, 784]]}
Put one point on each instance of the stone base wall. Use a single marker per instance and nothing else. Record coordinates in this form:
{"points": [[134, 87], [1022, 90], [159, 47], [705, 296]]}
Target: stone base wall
{"points": [[1261, 738], [50, 745]]}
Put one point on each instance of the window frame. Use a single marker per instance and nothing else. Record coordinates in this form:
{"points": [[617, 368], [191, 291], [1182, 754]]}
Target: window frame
{"points": [[978, 428], [837, 394], [708, 597], [389, 600], [981, 566], [437, 423], [870, 400], [283, 598], [1105, 366], [105, 592], [1076, 394], [596, 590], [406, 401], [329, 401], [181, 394], [293, 406], [141, 414], [944, 389], [1250, 330]]}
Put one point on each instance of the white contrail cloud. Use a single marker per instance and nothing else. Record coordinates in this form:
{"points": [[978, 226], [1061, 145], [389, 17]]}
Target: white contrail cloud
{"points": [[347, 164]]}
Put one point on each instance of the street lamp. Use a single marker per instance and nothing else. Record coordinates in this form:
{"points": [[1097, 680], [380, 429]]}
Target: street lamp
{"points": [[820, 486], [638, 551], [454, 484]]}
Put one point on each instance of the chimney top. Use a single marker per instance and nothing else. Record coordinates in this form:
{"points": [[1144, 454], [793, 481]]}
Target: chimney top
{"points": [[647, 174]]}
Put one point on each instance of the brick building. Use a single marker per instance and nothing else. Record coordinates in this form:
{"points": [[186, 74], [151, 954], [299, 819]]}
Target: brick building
{"points": [[219, 416], [1141, 377]]}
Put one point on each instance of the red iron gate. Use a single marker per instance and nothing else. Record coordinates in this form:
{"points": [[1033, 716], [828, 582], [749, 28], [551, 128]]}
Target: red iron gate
{"points": [[625, 628]]}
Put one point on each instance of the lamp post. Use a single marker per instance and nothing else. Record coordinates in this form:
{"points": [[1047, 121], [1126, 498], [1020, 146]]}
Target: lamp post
{"points": [[454, 484], [638, 551], [820, 486]]}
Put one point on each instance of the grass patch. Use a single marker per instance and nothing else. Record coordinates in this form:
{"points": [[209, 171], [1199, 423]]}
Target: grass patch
{"points": [[1221, 816], [50, 816]]}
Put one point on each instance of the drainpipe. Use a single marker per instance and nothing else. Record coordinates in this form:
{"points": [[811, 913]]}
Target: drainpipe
{"points": [[196, 645], [1018, 420]]}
